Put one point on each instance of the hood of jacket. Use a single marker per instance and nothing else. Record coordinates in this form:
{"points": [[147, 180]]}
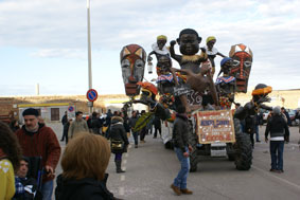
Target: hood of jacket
{"points": [[81, 189], [116, 119]]}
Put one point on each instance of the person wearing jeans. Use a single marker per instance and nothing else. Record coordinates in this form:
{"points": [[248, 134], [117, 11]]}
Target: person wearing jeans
{"points": [[182, 149], [279, 133]]}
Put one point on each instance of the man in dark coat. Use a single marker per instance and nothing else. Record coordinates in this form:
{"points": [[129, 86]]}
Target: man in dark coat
{"points": [[117, 135], [279, 132], [182, 148], [96, 123], [64, 121], [134, 118], [157, 126]]}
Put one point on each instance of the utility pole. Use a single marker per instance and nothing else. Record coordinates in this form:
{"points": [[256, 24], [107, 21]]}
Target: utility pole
{"points": [[89, 51]]}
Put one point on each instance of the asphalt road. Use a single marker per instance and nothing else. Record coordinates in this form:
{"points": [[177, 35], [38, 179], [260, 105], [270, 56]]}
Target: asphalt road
{"points": [[151, 168]]}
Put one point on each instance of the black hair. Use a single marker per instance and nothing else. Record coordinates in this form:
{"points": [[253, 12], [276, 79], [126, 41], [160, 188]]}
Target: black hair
{"points": [[94, 114], [180, 109], [78, 113]]}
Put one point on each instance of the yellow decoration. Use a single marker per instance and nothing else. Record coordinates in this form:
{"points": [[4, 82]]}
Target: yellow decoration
{"points": [[210, 38], [162, 37], [266, 90]]}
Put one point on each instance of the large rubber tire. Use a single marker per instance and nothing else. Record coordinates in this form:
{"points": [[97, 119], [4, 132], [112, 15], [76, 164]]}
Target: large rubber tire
{"points": [[230, 152], [243, 148], [193, 154]]}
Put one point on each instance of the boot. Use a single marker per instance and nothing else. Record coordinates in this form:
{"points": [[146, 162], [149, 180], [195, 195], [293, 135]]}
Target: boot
{"points": [[176, 190], [186, 191], [118, 165]]}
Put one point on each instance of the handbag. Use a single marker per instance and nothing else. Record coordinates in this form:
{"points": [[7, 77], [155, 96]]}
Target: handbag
{"points": [[117, 145]]}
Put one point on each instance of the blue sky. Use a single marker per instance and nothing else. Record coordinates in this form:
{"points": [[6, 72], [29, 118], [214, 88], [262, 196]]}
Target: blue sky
{"points": [[45, 41]]}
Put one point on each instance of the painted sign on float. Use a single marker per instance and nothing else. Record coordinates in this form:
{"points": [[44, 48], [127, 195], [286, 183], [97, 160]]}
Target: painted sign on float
{"points": [[215, 126]]}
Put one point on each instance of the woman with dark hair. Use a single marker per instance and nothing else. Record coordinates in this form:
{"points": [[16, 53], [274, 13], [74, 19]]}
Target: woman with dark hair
{"points": [[84, 163], [10, 156], [14, 125]]}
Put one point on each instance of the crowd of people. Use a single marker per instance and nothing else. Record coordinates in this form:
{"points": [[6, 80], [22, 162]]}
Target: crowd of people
{"points": [[29, 154]]}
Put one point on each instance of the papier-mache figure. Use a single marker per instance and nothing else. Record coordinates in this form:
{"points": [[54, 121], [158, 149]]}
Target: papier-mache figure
{"points": [[225, 84], [158, 49], [133, 59], [241, 65], [212, 51]]}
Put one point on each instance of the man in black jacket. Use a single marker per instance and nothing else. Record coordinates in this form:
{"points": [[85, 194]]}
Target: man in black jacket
{"points": [[279, 132], [64, 121], [182, 148], [96, 123]]}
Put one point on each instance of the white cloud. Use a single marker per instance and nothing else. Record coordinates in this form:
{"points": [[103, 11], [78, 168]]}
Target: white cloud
{"points": [[58, 28]]}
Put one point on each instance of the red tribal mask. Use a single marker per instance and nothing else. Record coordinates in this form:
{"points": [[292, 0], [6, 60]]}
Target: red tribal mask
{"points": [[241, 65], [133, 58]]}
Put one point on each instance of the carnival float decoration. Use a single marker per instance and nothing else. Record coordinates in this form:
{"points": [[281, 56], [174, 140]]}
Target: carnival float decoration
{"points": [[214, 129]]}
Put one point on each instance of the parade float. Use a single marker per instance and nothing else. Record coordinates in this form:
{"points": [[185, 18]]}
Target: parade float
{"points": [[215, 129]]}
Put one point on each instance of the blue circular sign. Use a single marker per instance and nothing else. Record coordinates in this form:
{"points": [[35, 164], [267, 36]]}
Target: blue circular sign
{"points": [[71, 109], [92, 95]]}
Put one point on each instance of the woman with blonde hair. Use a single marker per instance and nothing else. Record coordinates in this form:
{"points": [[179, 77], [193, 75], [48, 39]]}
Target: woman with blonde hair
{"points": [[84, 163]]}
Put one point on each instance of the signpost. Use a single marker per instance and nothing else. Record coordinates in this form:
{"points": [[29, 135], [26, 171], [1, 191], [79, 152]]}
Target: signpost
{"points": [[215, 126], [92, 96]]}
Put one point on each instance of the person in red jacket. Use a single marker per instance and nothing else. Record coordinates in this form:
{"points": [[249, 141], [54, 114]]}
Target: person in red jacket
{"points": [[37, 140]]}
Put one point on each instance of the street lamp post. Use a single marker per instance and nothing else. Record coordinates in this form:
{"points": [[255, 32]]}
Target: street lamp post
{"points": [[89, 49]]}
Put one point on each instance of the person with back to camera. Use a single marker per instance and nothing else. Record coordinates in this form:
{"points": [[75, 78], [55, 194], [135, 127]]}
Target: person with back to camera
{"points": [[84, 163], [119, 140], [10, 155], [279, 132]]}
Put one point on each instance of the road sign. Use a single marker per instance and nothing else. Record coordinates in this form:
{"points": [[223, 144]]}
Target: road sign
{"points": [[71, 109], [90, 104], [92, 95]]}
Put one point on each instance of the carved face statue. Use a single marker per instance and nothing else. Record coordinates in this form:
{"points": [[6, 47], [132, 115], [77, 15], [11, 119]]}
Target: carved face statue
{"points": [[164, 64], [189, 42], [241, 65], [161, 43], [133, 58]]}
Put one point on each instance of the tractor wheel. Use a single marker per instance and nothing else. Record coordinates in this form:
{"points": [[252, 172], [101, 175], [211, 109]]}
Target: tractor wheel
{"points": [[243, 148], [230, 152]]}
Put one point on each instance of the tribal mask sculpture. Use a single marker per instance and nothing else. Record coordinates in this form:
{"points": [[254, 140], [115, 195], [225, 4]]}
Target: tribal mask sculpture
{"points": [[133, 59], [242, 57]]}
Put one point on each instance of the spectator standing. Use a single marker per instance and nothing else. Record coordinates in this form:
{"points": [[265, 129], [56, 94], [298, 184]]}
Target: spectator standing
{"points": [[286, 114], [157, 126], [182, 149], [96, 123], [132, 123], [37, 140], [144, 130], [83, 175], [64, 121], [10, 156], [66, 129], [119, 141], [78, 126], [257, 123], [279, 132]]}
